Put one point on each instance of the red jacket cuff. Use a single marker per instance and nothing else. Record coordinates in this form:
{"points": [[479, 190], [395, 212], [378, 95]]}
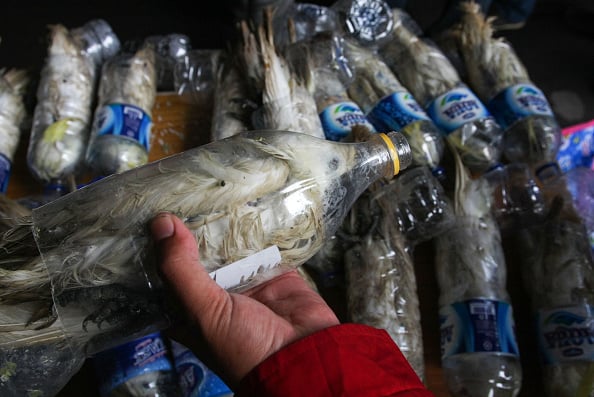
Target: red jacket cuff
{"points": [[344, 360]]}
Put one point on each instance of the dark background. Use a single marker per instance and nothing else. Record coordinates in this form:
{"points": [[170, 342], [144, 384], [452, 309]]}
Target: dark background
{"points": [[556, 46]]}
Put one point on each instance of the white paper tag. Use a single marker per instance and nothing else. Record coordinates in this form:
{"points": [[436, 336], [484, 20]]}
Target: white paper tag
{"points": [[232, 274]]}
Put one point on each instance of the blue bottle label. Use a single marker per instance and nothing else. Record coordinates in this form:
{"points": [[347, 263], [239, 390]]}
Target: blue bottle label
{"points": [[477, 325], [396, 111], [5, 170], [121, 364], [518, 101], [566, 334], [124, 120], [339, 118], [455, 108], [196, 380]]}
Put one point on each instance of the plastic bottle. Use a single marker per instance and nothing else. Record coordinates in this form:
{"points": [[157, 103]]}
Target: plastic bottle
{"points": [[452, 105], [170, 50], [13, 84], [518, 200], [65, 98], [390, 106], [380, 281], [99, 42], [422, 208], [499, 78], [338, 113], [121, 131], [479, 352], [276, 193], [532, 133], [558, 272], [140, 368]]}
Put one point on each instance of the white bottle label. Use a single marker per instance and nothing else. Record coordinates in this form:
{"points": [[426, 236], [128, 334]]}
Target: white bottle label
{"points": [[338, 119], [455, 108], [566, 334], [477, 325]]}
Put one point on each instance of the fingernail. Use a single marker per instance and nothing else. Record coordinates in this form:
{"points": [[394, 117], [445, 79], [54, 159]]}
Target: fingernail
{"points": [[162, 226]]}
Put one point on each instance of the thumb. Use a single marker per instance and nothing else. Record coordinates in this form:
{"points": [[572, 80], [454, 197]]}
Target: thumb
{"points": [[179, 263]]}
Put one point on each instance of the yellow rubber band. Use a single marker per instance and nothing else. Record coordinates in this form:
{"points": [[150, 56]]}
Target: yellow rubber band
{"points": [[393, 152]]}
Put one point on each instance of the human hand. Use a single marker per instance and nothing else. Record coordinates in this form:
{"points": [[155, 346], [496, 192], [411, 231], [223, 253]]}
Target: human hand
{"points": [[234, 332]]}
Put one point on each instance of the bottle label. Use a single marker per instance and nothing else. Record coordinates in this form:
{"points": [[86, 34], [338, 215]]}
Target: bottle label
{"points": [[125, 362], [455, 108], [196, 379], [338, 119], [5, 170], [396, 111], [477, 325], [518, 101], [124, 120], [566, 334]]}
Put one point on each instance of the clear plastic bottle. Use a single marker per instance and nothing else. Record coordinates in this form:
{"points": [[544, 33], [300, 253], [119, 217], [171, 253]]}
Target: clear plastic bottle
{"points": [[390, 106], [142, 367], [560, 287], [274, 190], [517, 198], [121, 132], [422, 209], [479, 352], [98, 40], [558, 273], [452, 105], [65, 98], [498, 76], [380, 281], [329, 74], [13, 85], [170, 50]]}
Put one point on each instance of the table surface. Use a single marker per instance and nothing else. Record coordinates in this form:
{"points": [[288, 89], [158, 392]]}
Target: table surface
{"points": [[179, 123]]}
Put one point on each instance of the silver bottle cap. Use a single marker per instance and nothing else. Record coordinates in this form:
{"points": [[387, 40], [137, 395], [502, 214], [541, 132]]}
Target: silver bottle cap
{"points": [[173, 46], [99, 41], [369, 21]]}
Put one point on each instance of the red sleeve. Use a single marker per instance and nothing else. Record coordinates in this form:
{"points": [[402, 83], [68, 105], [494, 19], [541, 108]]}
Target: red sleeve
{"points": [[345, 360]]}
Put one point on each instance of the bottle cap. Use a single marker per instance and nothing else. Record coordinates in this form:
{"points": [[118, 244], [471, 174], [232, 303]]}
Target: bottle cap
{"points": [[369, 21], [99, 41], [399, 149], [172, 46]]}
